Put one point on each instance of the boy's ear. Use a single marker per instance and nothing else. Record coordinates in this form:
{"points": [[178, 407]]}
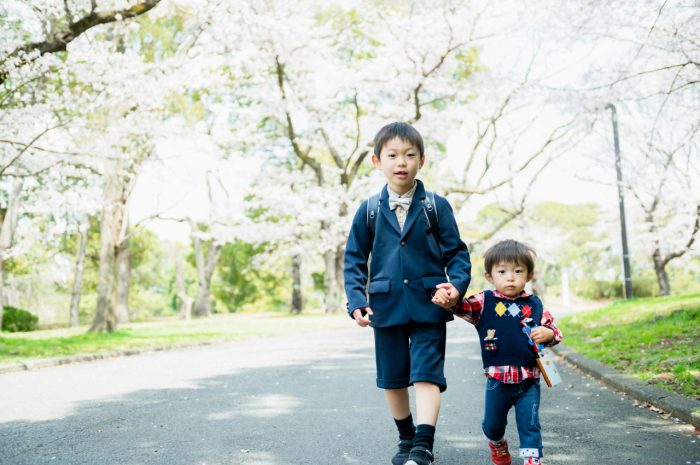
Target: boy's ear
{"points": [[488, 277], [530, 275], [375, 161], [422, 160]]}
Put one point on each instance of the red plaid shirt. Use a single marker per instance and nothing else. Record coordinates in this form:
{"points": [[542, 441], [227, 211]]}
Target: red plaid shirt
{"points": [[470, 310]]}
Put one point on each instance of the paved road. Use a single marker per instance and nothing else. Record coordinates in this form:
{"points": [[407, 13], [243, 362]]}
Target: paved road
{"points": [[308, 399]]}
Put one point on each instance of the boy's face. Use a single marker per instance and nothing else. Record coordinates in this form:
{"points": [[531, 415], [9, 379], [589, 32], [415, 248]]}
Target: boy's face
{"points": [[400, 161], [509, 278]]}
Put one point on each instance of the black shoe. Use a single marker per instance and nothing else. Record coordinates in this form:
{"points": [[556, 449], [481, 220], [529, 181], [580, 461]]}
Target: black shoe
{"points": [[420, 456], [402, 454]]}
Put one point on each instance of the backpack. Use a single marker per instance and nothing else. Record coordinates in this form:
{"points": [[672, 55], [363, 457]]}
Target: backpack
{"points": [[429, 210]]}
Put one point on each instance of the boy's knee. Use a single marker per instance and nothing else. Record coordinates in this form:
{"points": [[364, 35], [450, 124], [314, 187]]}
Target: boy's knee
{"points": [[429, 382], [426, 385]]}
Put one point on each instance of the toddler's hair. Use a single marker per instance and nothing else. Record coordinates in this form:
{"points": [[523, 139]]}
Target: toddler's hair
{"points": [[403, 131], [510, 251]]}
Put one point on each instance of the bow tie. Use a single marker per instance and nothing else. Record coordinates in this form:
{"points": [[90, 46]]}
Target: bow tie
{"points": [[405, 202]]}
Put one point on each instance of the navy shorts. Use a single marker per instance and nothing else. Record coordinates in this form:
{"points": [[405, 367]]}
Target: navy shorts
{"points": [[410, 353]]}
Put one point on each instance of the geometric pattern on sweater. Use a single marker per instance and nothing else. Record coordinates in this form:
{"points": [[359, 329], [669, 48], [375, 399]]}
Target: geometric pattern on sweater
{"points": [[500, 331], [514, 310]]}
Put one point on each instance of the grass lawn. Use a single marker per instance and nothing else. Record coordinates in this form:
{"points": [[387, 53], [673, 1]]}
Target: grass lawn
{"points": [[654, 339], [232, 327]]}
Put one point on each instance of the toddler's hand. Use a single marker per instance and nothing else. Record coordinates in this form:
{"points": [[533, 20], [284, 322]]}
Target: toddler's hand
{"points": [[441, 297], [446, 295], [542, 335]]}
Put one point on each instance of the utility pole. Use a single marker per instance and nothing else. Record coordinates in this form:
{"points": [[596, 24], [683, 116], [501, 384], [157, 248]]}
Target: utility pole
{"points": [[621, 198]]}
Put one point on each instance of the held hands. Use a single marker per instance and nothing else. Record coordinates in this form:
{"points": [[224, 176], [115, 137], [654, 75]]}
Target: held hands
{"points": [[446, 295], [360, 319], [541, 335]]}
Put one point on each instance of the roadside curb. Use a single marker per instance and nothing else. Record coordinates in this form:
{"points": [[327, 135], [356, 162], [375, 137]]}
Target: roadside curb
{"points": [[57, 361], [683, 408]]}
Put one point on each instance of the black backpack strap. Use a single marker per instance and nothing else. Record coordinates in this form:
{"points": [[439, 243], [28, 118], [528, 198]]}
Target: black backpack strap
{"points": [[430, 210], [372, 212]]}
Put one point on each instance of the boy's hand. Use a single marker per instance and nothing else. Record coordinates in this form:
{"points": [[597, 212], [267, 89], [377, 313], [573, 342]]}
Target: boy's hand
{"points": [[446, 295], [542, 335], [360, 318]]}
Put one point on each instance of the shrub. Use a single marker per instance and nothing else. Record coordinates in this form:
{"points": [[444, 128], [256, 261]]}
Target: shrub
{"points": [[16, 320], [597, 289]]}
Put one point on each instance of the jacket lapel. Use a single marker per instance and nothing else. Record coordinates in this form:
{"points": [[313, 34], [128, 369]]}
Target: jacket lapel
{"points": [[385, 210], [416, 208]]}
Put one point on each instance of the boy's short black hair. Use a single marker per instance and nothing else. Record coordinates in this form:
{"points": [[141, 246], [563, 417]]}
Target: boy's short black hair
{"points": [[403, 131], [510, 251]]}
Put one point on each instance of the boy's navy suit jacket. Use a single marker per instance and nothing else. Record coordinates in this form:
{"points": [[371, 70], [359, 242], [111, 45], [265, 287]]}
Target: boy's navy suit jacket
{"points": [[405, 265]]}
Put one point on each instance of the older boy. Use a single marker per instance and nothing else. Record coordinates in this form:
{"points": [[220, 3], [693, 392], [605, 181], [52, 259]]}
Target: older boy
{"points": [[409, 257], [509, 361]]}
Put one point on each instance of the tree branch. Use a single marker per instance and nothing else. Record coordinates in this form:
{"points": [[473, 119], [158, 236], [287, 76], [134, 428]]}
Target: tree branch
{"points": [[42, 149], [689, 244], [358, 161], [27, 146], [66, 8], [51, 166], [331, 148], [303, 155], [426, 74], [649, 71], [10, 92], [59, 40]]}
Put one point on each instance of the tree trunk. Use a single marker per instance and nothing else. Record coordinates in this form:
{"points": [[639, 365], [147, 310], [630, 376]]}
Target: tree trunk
{"points": [[661, 275], [339, 273], [7, 232], [565, 294], [185, 300], [205, 272], [115, 194], [78, 275], [123, 262], [296, 285], [332, 294], [105, 318], [537, 282]]}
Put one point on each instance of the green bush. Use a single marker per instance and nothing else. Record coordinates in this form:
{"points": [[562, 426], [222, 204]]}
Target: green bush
{"points": [[597, 289], [15, 320]]}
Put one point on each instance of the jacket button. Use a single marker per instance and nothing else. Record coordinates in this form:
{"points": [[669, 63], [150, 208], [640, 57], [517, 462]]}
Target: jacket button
{"points": [[403, 243], [405, 281]]}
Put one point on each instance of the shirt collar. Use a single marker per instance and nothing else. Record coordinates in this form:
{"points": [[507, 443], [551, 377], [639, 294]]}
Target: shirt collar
{"points": [[407, 195], [524, 293]]}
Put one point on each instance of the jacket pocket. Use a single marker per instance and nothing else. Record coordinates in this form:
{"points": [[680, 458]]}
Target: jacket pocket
{"points": [[379, 286], [429, 282]]}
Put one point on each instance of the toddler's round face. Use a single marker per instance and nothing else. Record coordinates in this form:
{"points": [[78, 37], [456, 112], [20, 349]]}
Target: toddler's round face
{"points": [[509, 278]]}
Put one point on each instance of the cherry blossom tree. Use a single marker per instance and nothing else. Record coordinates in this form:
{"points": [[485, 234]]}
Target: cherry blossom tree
{"points": [[321, 81], [104, 100], [652, 78]]}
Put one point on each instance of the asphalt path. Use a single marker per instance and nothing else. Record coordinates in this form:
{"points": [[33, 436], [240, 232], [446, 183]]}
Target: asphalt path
{"points": [[303, 399]]}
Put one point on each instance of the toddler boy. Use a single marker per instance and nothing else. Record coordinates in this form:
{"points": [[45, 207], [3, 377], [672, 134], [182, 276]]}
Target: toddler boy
{"points": [[508, 358]]}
